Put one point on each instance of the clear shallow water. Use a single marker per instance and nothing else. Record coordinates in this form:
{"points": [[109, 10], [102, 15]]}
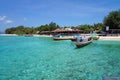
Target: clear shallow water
{"points": [[39, 58]]}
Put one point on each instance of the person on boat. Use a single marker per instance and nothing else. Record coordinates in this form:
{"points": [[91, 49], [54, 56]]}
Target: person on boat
{"points": [[79, 39], [90, 38]]}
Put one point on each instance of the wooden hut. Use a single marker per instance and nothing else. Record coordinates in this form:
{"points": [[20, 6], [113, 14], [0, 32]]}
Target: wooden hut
{"points": [[66, 31]]}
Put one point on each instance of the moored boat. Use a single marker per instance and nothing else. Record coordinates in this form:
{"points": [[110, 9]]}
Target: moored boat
{"points": [[81, 42], [73, 39], [64, 38], [95, 38], [60, 37], [28, 35]]}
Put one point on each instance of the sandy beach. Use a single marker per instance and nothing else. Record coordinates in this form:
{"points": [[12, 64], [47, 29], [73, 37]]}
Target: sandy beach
{"points": [[35, 35], [8, 35], [116, 38]]}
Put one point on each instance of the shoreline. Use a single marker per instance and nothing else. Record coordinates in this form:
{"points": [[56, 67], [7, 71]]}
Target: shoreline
{"points": [[112, 38], [34, 35], [8, 35]]}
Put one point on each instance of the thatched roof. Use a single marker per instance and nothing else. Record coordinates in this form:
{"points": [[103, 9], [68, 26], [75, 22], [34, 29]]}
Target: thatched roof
{"points": [[65, 30], [57, 30], [45, 32]]}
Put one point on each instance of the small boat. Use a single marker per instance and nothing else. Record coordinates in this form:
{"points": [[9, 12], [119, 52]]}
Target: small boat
{"points": [[28, 35], [63, 38], [81, 42], [73, 39], [95, 38], [60, 37]]}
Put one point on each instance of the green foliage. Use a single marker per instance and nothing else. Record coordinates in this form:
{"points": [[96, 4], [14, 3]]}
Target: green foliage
{"points": [[20, 30], [10, 30], [85, 28], [90, 28], [43, 28], [48, 27], [113, 20], [53, 26], [98, 27]]}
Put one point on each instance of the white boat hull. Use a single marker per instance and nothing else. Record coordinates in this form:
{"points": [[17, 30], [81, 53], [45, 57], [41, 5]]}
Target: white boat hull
{"points": [[82, 44]]}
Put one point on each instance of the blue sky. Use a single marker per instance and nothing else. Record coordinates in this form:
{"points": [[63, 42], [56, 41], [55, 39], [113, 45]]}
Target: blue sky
{"points": [[64, 12]]}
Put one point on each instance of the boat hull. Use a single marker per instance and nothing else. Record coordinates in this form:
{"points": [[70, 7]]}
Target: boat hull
{"points": [[64, 39], [73, 39], [95, 38], [82, 44]]}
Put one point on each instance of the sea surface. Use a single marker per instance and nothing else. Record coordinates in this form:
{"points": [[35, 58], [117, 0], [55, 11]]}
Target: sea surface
{"points": [[42, 58]]}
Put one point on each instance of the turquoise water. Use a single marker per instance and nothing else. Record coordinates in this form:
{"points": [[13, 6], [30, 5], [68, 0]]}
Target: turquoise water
{"points": [[41, 58]]}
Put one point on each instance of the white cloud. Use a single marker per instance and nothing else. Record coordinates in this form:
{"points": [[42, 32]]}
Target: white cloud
{"points": [[8, 21], [2, 18]]}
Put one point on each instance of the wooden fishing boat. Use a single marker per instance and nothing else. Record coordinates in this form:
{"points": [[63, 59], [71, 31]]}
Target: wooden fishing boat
{"points": [[60, 37], [63, 38], [83, 43], [28, 35], [73, 39], [95, 38]]}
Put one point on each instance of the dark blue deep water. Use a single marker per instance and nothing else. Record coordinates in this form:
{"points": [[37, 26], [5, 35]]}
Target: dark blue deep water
{"points": [[41, 58]]}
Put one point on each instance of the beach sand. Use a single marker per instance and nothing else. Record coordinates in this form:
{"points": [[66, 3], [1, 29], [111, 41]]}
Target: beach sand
{"points": [[8, 35], [35, 35], [116, 38]]}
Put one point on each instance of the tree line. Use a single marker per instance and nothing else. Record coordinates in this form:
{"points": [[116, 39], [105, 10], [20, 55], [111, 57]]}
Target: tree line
{"points": [[20, 30], [112, 20]]}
